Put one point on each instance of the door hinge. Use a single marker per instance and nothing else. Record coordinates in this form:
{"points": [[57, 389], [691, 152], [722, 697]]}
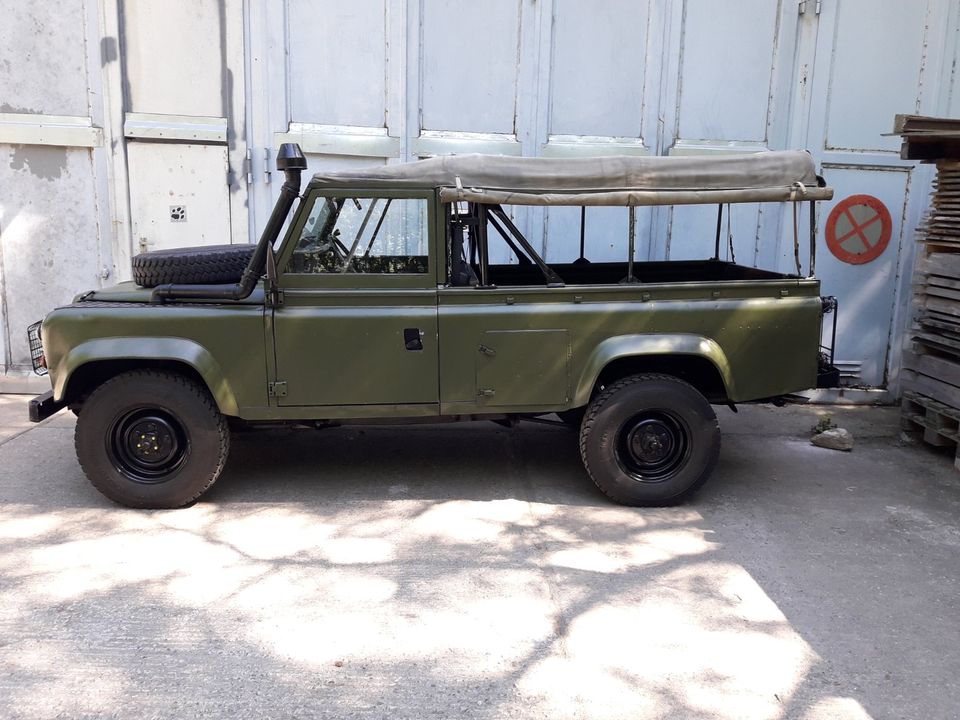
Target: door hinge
{"points": [[816, 7], [267, 176], [249, 166], [277, 389]]}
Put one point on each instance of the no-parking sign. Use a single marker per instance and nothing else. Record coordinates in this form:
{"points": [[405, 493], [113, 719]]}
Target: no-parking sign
{"points": [[858, 229]]}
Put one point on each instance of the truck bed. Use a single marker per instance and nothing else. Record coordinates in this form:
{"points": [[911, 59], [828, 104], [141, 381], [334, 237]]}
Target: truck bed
{"points": [[611, 273]]}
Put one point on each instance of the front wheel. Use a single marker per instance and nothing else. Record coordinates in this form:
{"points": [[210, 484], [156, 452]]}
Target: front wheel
{"points": [[649, 440], [151, 439]]}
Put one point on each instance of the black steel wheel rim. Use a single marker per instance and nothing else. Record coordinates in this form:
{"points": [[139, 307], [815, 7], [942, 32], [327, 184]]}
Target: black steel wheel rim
{"points": [[653, 446], [148, 445]]}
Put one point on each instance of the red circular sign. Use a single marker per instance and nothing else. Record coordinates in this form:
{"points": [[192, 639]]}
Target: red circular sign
{"points": [[858, 229]]}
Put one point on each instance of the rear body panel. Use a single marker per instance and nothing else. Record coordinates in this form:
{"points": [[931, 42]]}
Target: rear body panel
{"points": [[763, 338]]}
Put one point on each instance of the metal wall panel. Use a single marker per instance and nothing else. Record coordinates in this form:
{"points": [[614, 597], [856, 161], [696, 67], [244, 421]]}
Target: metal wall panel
{"points": [[731, 95], [337, 62], [469, 68], [868, 83], [172, 54], [177, 195], [866, 292], [728, 57], [598, 68]]}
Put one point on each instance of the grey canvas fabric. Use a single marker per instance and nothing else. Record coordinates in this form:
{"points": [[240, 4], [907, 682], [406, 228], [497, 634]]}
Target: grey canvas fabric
{"points": [[615, 180]]}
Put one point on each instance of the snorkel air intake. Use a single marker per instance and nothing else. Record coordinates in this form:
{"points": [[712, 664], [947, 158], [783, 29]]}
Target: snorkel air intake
{"points": [[292, 163]]}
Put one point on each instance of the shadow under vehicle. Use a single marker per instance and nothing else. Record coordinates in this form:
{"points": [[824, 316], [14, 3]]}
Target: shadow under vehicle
{"points": [[384, 301]]}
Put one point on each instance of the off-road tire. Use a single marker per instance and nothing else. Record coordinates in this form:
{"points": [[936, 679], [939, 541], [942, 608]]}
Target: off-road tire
{"points": [[104, 433], [209, 264], [630, 414]]}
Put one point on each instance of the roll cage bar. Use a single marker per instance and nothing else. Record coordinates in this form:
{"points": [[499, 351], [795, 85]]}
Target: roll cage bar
{"points": [[468, 241]]}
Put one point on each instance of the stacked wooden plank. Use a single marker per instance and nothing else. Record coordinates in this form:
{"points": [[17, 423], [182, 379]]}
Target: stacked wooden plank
{"points": [[928, 138], [931, 375]]}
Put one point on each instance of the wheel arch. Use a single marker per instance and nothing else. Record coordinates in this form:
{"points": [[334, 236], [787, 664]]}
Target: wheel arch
{"points": [[95, 361], [696, 359]]}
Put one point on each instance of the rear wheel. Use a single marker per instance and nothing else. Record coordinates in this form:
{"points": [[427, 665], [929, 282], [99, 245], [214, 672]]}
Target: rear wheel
{"points": [[150, 439], [649, 440]]}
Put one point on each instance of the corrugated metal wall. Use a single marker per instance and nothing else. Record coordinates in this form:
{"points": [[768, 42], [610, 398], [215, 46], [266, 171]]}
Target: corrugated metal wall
{"points": [[138, 124]]}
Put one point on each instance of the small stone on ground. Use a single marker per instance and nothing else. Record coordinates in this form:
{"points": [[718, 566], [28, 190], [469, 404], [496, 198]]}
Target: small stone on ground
{"points": [[835, 439]]}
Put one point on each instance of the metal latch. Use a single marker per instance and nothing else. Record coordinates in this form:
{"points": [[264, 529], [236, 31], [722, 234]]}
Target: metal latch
{"points": [[487, 350], [277, 389], [486, 392]]}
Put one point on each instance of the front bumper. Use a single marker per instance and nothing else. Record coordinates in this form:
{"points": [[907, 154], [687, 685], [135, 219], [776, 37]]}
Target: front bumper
{"points": [[43, 406]]}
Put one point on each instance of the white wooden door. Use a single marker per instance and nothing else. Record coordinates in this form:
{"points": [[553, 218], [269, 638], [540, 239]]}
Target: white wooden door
{"points": [[184, 123], [728, 75], [871, 62]]}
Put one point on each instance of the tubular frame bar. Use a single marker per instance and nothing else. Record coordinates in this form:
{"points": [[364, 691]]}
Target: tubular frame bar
{"points": [[583, 227], [522, 258], [551, 277], [632, 245], [482, 242], [716, 245], [813, 238]]}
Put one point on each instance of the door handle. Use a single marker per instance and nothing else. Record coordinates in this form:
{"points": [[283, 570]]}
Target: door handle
{"points": [[413, 338]]}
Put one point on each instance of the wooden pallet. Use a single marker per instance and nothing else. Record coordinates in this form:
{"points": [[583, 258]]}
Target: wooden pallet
{"points": [[934, 422]]}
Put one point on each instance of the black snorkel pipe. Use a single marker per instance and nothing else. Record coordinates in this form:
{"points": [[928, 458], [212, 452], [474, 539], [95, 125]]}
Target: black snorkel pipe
{"points": [[291, 162]]}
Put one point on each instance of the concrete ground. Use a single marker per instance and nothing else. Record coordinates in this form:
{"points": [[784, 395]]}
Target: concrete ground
{"points": [[471, 571]]}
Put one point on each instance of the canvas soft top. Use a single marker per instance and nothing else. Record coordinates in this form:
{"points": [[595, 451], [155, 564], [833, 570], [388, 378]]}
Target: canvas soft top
{"points": [[613, 180]]}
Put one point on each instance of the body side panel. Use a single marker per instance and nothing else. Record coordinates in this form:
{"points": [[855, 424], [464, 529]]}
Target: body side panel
{"points": [[224, 344], [761, 346]]}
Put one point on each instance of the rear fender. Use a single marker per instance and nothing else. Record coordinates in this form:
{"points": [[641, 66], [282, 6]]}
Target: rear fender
{"points": [[625, 346], [169, 349]]}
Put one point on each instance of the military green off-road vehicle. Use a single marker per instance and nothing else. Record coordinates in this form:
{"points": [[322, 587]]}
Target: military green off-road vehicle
{"points": [[411, 292]]}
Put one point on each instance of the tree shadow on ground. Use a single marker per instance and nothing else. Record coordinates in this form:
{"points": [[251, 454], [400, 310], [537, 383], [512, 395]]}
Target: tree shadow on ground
{"points": [[475, 573]]}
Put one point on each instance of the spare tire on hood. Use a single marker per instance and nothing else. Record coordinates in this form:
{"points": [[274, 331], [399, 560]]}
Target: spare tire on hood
{"points": [[204, 265]]}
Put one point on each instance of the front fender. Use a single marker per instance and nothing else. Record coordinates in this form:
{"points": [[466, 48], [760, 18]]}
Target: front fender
{"points": [[138, 348], [623, 346]]}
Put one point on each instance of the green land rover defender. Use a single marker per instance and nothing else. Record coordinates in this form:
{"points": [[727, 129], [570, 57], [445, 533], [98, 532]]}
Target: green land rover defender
{"points": [[415, 292]]}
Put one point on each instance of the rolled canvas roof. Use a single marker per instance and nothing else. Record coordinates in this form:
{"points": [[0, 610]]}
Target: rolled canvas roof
{"points": [[613, 180]]}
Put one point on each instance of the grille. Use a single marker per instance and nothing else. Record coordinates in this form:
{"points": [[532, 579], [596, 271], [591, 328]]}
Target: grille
{"points": [[36, 349]]}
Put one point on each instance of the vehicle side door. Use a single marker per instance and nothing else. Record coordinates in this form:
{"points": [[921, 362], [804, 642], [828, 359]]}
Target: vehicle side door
{"points": [[357, 323]]}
